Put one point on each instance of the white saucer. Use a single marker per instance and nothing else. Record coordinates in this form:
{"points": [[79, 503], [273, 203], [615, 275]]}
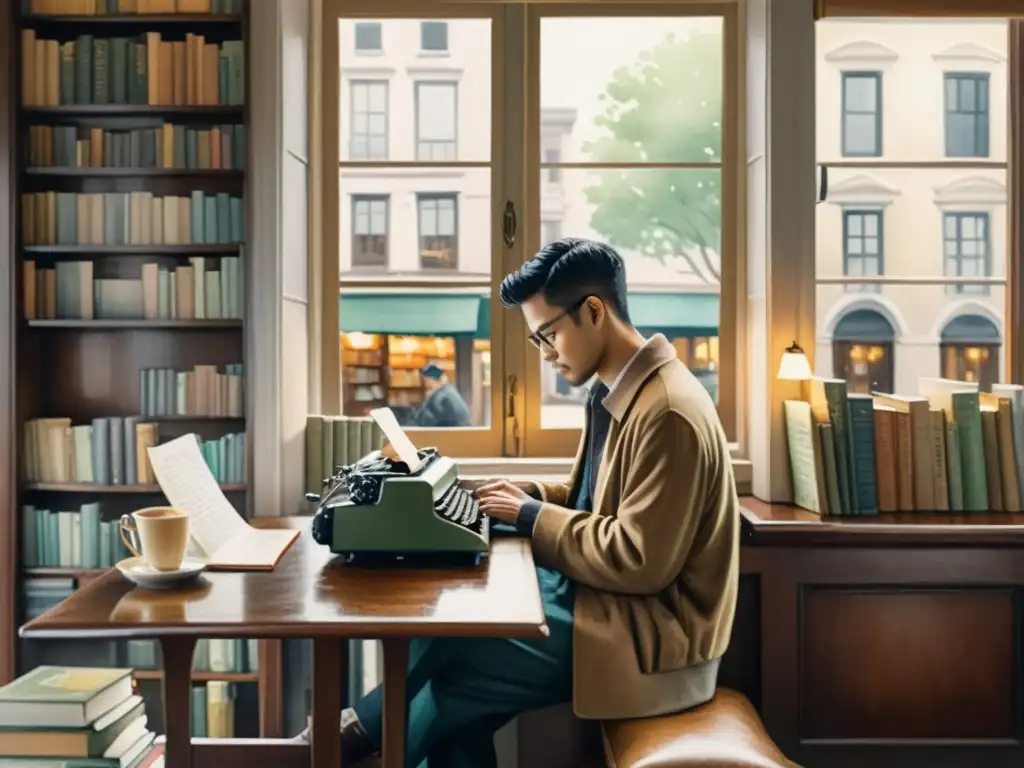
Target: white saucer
{"points": [[142, 573]]}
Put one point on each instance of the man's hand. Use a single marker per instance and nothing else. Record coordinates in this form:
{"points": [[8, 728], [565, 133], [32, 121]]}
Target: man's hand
{"points": [[501, 500]]}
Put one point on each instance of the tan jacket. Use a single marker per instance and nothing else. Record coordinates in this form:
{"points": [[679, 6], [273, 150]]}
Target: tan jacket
{"points": [[657, 561]]}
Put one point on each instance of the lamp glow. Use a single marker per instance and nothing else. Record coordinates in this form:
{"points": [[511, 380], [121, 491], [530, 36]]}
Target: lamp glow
{"points": [[794, 365]]}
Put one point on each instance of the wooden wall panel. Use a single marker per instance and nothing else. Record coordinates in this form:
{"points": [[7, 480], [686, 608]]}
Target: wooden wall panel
{"points": [[909, 664]]}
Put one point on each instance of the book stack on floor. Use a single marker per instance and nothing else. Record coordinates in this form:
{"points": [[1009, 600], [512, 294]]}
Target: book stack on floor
{"points": [[76, 717], [949, 448]]}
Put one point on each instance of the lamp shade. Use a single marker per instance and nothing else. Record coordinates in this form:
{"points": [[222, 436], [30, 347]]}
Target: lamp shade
{"points": [[794, 365]]}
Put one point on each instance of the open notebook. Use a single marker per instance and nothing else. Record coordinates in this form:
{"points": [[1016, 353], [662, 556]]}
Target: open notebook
{"points": [[220, 536]]}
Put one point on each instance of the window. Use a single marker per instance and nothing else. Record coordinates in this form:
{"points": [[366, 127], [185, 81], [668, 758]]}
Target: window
{"points": [[433, 36], [593, 148], [908, 241], [862, 114], [966, 240], [368, 37], [862, 247], [967, 115], [369, 231], [436, 121], [439, 231], [369, 132]]}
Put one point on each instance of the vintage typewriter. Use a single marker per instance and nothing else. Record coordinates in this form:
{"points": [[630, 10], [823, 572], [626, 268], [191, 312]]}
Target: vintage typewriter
{"points": [[377, 509]]}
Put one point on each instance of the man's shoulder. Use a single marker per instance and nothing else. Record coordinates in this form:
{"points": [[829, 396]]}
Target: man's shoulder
{"points": [[674, 393]]}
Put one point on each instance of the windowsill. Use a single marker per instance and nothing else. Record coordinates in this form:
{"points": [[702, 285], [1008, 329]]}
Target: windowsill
{"points": [[434, 54], [369, 52], [556, 470]]}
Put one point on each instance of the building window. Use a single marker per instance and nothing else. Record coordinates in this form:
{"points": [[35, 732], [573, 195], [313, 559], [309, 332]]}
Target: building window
{"points": [[434, 36], [369, 132], [862, 114], [969, 350], [370, 231], [967, 113], [862, 352], [862, 248], [368, 37], [436, 121], [967, 248], [439, 231]]}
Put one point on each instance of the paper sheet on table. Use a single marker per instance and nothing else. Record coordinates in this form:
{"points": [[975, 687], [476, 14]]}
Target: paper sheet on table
{"points": [[395, 435], [227, 541]]}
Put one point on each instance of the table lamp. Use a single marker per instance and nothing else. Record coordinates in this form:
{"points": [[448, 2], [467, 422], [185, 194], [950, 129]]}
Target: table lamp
{"points": [[794, 365]]}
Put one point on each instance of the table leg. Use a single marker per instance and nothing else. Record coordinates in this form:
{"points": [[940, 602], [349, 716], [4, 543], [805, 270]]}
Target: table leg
{"points": [[177, 689], [396, 666], [330, 670]]}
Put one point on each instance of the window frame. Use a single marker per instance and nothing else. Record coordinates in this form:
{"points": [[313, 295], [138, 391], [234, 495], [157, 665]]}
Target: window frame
{"points": [[371, 198], [962, 289], [367, 82], [879, 215], [424, 197], [862, 74], [979, 116], [492, 447], [417, 101]]}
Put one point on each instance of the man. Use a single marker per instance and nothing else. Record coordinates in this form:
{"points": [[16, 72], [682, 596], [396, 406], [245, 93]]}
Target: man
{"points": [[638, 552], [443, 406]]}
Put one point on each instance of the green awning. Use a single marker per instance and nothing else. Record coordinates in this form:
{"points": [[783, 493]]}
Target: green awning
{"points": [[438, 314], [467, 314], [970, 329]]}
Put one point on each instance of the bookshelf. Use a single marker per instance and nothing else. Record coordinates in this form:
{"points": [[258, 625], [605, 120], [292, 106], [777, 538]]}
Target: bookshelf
{"points": [[124, 300]]}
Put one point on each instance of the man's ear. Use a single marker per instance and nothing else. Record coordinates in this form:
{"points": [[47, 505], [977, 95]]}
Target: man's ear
{"points": [[597, 311]]}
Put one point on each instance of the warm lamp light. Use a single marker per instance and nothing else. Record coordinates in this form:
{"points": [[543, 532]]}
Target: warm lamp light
{"points": [[794, 365]]}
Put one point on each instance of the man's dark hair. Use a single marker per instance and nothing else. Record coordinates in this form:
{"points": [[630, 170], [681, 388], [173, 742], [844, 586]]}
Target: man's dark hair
{"points": [[566, 271]]}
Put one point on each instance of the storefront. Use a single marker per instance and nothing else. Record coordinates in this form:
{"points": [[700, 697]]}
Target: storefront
{"points": [[386, 337]]}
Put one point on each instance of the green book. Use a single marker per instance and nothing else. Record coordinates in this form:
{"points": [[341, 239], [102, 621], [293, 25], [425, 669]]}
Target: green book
{"points": [[68, 697]]}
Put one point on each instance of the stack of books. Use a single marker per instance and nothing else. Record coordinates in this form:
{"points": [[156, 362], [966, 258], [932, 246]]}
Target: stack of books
{"points": [[76, 717], [947, 448]]}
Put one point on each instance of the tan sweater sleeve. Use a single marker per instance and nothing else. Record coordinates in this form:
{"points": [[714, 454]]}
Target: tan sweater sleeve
{"points": [[552, 493], [641, 547]]}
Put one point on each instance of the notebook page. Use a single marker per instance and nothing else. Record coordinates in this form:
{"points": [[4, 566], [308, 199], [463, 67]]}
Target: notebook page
{"points": [[190, 486], [395, 435]]}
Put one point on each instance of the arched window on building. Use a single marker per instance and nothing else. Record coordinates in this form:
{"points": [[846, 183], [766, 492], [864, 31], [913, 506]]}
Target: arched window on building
{"points": [[862, 351], [969, 350]]}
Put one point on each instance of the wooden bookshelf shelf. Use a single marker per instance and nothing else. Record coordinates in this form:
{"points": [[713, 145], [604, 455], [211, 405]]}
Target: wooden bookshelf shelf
{"points": [[212, 249], [97, 488], [127, 173], [106, 325], [189, 419], [148, 20], [135, 111], [228, 677]]}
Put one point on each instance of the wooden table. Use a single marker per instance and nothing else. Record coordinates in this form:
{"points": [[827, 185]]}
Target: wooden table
{"points": [[310, 594]]}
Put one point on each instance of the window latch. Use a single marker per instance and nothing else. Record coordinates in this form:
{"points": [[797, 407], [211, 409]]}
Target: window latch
{"points": [[508, 224]]}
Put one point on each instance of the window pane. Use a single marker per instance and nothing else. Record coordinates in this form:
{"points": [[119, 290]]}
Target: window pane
{"points": [[408, 118], [434, 36], [396, 225], [861, 135], [930, 221], [666, 223], [861, 94], [633, 90], [368, 36]]}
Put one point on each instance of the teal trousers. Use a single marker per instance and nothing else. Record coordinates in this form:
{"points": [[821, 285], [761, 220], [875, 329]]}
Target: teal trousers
{"points": [[462, 690]]}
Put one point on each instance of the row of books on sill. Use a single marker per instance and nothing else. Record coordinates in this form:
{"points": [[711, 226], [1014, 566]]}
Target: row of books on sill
{"points": [[131, 218], [129, 7], [949, 448], [197, 291], [55, 717], [333, 441], [165, 145], [141, 70], [113, 451]]}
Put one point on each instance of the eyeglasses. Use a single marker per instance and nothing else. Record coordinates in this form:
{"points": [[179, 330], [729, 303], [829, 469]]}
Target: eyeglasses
{"points": [[538, 338]]}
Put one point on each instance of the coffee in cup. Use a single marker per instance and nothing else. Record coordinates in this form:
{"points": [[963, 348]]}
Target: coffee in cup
{"points": [[161, 536]]}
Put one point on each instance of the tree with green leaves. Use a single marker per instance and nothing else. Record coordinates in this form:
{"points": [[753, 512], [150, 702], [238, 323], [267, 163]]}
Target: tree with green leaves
{"points": [[665, 107]]}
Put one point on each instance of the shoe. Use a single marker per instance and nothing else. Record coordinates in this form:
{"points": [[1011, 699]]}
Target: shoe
{"points": [[355, 742]]}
